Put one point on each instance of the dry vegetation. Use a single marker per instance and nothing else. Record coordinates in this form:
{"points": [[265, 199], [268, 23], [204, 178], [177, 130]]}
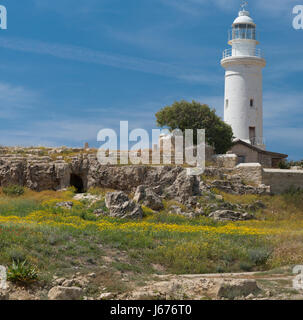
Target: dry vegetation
{"points": [[58, 241]]}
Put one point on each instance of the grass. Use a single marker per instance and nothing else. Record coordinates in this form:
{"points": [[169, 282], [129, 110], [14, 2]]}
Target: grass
{"points": [[22, 272], [13, 190], [59, 241]]}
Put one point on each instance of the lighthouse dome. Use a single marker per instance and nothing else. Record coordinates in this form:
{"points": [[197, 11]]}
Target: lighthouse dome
{"points": [[244, 18]]}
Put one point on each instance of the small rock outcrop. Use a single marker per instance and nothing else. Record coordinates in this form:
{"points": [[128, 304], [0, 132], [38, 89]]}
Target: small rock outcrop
{"points": [[257, 205], [231, 289], [228, 215], [184, 187], [239, 188], [65, 293], [65, 205], [4, 295], [121, 206], [148, 198]]}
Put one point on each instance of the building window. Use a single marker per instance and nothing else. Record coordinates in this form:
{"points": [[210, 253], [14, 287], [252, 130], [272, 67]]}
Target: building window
{"points": [[241, 159], [226, 103], [252, 102]]}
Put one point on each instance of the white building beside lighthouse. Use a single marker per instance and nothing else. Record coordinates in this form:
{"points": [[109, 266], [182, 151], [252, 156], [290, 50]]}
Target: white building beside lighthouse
{"points": [[243, 62]]}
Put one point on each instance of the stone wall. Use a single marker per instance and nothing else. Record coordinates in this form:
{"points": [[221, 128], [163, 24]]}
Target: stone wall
{"points": [[250, 172], [225, 160], [278, 180], [281, 180]]}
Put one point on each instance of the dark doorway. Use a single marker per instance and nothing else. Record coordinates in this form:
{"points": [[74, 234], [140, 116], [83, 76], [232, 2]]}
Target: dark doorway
{"points": [[77, 182], [252, 135]]}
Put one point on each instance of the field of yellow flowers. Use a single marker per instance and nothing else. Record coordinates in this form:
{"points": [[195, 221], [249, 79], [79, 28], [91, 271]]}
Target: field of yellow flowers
{"points": [[57, 240]]}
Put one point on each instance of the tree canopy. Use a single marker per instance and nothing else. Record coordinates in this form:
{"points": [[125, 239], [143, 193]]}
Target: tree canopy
{"points": [[194, 115]]}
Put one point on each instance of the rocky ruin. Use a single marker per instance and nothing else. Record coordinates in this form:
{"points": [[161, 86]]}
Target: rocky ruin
{"points": [[83, 171]]}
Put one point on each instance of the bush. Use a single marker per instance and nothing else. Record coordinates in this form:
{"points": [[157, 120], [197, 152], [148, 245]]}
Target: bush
{"points": [[22, 272], [16, 254], [284, 165], [13, 190], [193, 115], [246, 266], [259, 256]]}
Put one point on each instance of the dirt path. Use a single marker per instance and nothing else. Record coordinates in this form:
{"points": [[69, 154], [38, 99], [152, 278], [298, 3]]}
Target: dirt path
{"points": [[273, 285]]}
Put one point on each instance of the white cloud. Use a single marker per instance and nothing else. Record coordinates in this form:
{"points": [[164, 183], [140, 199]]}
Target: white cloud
{"points": [[86, 55], [15, 99], [283, 107], [272, 8], [196, 7]]}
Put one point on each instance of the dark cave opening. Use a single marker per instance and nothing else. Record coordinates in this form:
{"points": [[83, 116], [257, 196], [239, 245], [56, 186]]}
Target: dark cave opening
{"points": [[77, 182]]}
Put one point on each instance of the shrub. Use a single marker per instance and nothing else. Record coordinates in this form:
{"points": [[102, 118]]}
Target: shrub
{"points": [[259, 256], [284, 165], [16, 254], [72, 190], [22, 272], [193, 115], [13, 190], [246, 266]]}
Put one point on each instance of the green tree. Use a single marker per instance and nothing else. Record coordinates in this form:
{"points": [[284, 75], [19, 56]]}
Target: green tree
{"points": [[193, 115]]}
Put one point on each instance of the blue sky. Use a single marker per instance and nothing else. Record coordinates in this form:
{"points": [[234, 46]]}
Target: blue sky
{"points": [[70, 68]]}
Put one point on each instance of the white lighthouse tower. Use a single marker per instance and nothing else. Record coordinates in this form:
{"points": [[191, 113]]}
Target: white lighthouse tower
{"points": [[243, 107]]}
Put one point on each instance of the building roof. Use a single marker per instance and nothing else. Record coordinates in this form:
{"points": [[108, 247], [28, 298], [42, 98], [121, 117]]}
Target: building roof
{"points": [[270, 153], [244, 18]]}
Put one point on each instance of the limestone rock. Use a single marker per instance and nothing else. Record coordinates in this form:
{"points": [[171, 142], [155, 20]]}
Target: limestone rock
{"points": [[121, 206], [175, 210], [59, 281], [184, 187], [148, 198], [256, 206], [106, 296], [223, 206], [4, 295], [100, 212], [237, 187], [228, 215], [231, 289], [65, 205], [90, 198], [65, 293]]}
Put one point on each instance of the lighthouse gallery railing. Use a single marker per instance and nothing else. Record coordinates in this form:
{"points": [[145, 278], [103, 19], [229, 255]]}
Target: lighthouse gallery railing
{"points": [[237, 53]]}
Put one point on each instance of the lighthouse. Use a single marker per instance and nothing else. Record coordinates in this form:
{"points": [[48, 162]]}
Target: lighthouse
{"points": [[243, 64]]}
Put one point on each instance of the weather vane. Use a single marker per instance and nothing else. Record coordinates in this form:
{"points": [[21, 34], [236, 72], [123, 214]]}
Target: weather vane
{"points": [[244, 5]]}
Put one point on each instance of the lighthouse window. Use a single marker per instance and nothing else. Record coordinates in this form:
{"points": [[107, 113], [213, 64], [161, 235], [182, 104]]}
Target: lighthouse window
{"points": [[226, 103], [251, 102], [244, 31]]}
